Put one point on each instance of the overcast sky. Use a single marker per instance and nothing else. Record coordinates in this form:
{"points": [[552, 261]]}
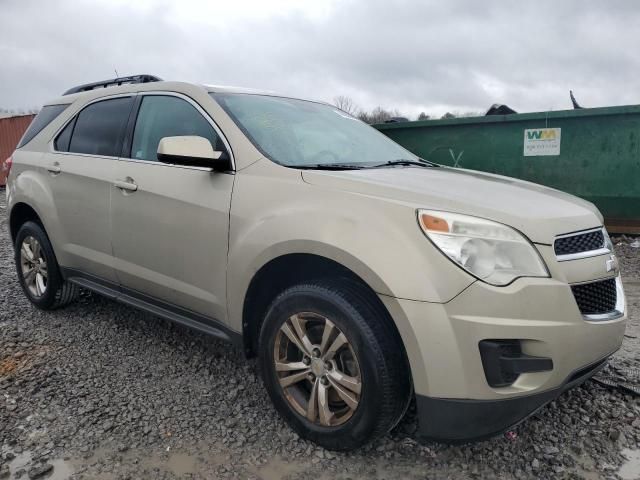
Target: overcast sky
{"points": [[432, 56]]}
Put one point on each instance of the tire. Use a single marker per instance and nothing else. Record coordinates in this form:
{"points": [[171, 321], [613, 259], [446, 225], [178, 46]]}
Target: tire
{"points": [[57, 292], [380, 364]]}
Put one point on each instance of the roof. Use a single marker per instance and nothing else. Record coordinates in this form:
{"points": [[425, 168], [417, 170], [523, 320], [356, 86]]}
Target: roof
{"points": [[158, 86], [232, 89]]}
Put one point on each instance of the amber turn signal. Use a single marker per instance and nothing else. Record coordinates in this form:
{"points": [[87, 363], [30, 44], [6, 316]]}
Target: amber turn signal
{"points": [[433, 224]]}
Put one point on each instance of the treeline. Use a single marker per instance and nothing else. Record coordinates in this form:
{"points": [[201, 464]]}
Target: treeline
{"points": [[381, 115]]}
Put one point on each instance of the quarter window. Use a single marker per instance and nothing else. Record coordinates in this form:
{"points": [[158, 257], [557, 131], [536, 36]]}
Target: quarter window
{"points": [[99, 128], [48, 114], [166, 116]]}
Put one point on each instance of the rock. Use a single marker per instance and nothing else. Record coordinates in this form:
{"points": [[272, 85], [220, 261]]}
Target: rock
{"points": [[4, 471], [39, 471]]}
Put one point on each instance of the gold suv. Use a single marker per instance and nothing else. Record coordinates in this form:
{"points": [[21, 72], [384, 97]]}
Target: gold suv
{"points": [[361, 275]]}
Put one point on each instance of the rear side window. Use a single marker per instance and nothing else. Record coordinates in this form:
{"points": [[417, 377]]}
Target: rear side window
{"points": [[164, 116], [99, 128], [44, 118]]}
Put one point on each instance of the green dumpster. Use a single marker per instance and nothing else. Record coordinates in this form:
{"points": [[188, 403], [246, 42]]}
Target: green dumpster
{"points": [[593, 152]]}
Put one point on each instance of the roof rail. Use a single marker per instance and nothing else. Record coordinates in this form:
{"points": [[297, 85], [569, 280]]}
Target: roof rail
{"points": [[144, 78]]}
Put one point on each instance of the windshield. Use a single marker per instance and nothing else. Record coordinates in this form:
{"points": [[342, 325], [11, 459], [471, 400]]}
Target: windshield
{"points": [[299, 133]]}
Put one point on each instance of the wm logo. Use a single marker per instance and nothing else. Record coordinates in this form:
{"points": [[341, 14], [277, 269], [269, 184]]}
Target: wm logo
{"points": [[541, 135]]}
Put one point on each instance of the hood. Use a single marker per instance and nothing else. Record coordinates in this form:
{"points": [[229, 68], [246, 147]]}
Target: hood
{"points": [[539, 212]]}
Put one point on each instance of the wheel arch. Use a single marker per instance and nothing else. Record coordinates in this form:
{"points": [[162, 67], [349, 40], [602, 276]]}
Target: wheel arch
{"points": [[30, 198], [285, 271], [20, 214]]}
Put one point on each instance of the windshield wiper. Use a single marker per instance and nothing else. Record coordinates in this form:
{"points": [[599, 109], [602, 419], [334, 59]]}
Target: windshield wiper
{"points": [[406, 162], [329, 166]]}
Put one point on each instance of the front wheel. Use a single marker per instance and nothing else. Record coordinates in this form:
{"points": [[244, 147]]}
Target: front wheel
{"points": [[333, 364]]}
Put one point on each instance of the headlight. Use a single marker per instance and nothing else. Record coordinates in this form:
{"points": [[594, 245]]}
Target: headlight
{"points": [[608, 244], [493, 252]]}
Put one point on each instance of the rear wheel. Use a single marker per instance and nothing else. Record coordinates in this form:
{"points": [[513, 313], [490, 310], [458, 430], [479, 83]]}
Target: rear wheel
{"points": [[38, 270], [333, 365]]}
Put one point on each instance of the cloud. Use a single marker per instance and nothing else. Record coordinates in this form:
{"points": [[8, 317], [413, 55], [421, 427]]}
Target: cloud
{"points": [[415, 56]]}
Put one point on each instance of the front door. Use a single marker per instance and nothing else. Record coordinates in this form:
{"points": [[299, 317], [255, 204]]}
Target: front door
{"points": [[170, 223]]}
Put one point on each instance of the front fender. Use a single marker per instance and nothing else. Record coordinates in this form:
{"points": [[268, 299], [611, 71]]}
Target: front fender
{"points": [[275, 213]]}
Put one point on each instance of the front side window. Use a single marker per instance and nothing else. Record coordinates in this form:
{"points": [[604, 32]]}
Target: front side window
{"points": [[299, 133], [166, 116], [99, 128]]}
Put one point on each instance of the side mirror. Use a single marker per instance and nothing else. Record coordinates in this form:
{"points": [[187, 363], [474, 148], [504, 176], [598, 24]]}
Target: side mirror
{"points": [[192, 151]]}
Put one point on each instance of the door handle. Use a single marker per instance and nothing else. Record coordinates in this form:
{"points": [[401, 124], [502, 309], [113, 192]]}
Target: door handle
{"points": [[128, 184], [55, 168]]}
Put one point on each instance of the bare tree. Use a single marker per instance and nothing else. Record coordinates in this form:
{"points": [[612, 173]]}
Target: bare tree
{"points": [[346, 104], [423, 116], [379, 115], [457, 114]]}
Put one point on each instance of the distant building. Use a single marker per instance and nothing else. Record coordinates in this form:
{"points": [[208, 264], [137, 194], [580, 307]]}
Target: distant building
{"points": [[11, 129]]}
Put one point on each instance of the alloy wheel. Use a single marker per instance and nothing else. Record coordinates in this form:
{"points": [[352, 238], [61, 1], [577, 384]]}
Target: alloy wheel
{"points": [[317, 369], [34, 266]]}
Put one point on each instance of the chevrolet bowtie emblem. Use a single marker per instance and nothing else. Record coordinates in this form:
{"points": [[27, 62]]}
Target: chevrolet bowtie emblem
{"points": [[612, 264]]}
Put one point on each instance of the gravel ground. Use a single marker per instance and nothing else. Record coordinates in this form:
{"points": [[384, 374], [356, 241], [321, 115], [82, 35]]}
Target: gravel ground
{"points": [[102, 391]]}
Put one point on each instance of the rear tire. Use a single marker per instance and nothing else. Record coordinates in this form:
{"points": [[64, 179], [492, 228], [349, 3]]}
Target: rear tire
{"points": [[363, 388], [38, 270]]}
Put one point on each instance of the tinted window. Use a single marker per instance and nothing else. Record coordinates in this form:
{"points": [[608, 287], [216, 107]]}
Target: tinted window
{"points": [[100, 127], [61, 143], [44, 118], [163, 116]]}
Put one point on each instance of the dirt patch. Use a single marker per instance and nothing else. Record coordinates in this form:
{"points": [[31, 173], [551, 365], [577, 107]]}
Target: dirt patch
{"points": [[7, 366], [21, 360]]}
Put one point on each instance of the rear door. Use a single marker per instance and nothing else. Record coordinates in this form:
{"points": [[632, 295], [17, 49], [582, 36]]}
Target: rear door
{"points": [[81, 167], [170, 222]]}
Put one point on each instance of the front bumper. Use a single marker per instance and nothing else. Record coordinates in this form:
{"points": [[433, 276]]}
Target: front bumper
{"points": [[458, 420], [455, 400]]}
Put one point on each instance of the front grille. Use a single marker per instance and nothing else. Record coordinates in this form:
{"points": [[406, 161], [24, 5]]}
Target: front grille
{"points": [[596, 297], [580, 242]]}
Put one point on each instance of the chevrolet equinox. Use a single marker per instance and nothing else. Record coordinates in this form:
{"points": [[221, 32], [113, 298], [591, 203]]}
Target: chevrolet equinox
{"points": [[359, 274]]}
